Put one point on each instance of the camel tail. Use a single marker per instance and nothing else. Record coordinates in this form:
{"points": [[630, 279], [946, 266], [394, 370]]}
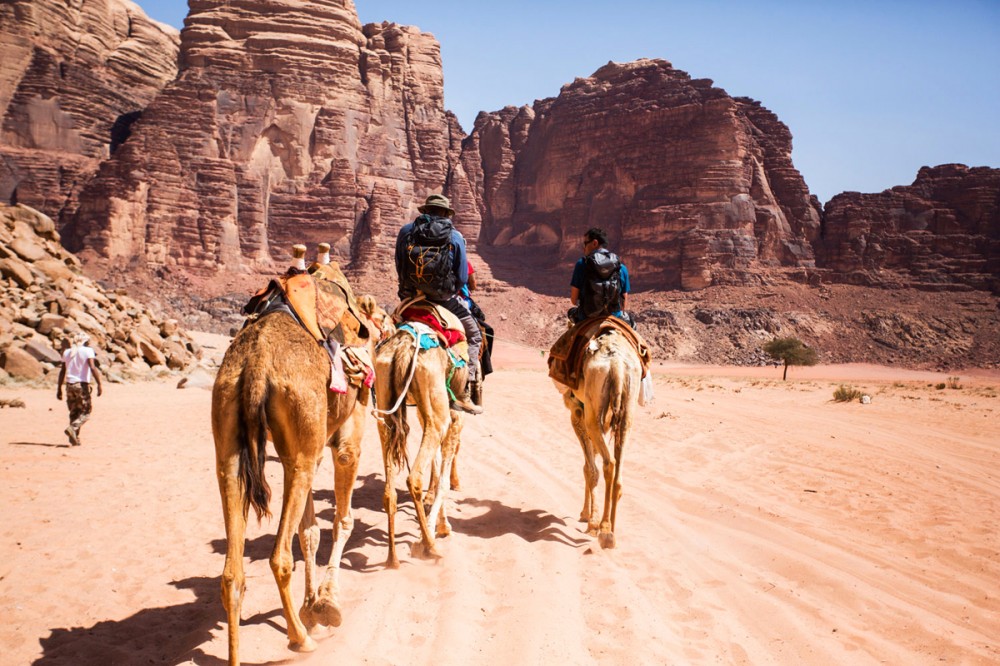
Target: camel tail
{"points": [[616, 400], [252, 437], [396, 422]]}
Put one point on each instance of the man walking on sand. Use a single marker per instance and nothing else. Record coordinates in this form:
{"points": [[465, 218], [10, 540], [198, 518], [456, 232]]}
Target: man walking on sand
{"points": [[78, 368]]}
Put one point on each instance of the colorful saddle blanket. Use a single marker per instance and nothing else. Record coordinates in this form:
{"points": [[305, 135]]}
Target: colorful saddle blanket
{"points": [[443, 322]]}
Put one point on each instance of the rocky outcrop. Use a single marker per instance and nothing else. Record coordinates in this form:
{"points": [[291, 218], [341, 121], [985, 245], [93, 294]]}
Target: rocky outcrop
{"points": [[74, 77], [44, 299], [694, 187], [943, 231], [289, 122]]}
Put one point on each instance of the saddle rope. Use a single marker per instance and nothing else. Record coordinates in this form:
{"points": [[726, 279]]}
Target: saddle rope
{"points": [[379, 413]]}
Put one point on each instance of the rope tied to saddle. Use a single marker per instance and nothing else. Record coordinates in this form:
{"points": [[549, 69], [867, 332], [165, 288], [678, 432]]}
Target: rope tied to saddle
{"points": [[424, 337]]}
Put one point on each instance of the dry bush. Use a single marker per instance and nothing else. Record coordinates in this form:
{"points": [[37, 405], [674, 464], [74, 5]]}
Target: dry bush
{"points": [[846, 394]]}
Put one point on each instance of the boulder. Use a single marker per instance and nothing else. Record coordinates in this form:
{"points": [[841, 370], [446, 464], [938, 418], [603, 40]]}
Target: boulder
{"points": [[197, 378], [19, 364], [151, 354], [17, 271], [28, 249], [53, 269], [42, 351], [49, 322]]}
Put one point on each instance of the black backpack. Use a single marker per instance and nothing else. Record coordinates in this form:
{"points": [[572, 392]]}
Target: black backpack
{"points": [[602, 286], [429, 257]]}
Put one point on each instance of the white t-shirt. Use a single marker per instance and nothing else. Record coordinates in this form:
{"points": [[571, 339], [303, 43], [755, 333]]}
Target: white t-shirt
{"points": [[77, 368]]}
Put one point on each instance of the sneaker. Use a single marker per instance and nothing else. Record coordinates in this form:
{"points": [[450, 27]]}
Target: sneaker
{"points": [[73, 439]]}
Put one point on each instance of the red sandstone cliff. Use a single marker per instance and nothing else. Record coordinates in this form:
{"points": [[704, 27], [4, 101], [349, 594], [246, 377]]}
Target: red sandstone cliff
{"points": [[288, 122], [943, 231], [73, 76], [694, 187]]}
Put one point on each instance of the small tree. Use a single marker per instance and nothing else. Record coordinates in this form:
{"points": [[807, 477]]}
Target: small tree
{"points": [[791, 351]]}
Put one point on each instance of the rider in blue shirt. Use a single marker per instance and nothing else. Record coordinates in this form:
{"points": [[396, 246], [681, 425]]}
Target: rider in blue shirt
{"points": [[582, 288]]}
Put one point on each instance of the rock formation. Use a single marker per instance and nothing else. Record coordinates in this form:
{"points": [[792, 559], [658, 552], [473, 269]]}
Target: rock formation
{"points": [[74, 76], [44, 299], [288, 122], [694, 186], [943, 231]]}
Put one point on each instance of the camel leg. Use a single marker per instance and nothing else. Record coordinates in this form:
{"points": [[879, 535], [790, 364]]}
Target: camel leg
{"points": [[389, 496], [590, 474], [621, 436], [455, 483], [233, 578], [596, 436], [436, 420], [346, 451], [438, 514], [309, 538], [435, 483], [297, 486]]}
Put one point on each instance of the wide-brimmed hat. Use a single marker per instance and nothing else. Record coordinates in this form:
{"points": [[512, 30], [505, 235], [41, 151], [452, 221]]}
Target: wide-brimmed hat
{"points": [[437, 201]]}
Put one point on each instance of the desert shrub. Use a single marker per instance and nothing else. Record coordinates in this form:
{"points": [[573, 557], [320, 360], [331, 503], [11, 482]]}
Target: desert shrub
{"points": [[954, 382], [940, 387], [846, 394]]}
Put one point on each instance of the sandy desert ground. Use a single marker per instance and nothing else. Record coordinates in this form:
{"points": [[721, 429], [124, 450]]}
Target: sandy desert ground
{"points": [[762, 523]]}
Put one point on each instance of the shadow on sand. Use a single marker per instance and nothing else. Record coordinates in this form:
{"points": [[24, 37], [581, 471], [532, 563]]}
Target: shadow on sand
{"points": [[45, 444], [500, 519], [170, 635]]}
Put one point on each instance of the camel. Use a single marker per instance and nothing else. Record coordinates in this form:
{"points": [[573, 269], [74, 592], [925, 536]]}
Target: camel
{"points": [[604, 403], [378, 317], [274, 380], [402, 375]]}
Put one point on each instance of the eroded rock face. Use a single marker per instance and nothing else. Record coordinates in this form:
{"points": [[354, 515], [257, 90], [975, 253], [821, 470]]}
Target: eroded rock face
{"points": [[74, 76], [289, 122], [694, 187], [942, 231]]}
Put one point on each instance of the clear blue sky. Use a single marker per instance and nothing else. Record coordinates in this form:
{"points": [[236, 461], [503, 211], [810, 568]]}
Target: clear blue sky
{"points": [[871, 90]]}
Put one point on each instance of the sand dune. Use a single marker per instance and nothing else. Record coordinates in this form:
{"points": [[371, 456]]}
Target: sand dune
{"points": [[762, 523]]}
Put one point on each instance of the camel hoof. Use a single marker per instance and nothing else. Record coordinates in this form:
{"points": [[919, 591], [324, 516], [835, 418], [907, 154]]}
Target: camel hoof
{"points": [[592, 530], [607, 540], [308, 617], [392, 562], [327, 611], [455, 485], [306, 645], [443, 532], [425, 551]]}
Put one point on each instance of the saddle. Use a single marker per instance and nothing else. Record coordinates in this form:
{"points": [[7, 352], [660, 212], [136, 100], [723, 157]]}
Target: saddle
{"points": [[443, 322], [322, 302], [566, 355]]}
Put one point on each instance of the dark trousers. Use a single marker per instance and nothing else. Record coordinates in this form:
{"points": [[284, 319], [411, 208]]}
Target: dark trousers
{"points": [[472, 334]]}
